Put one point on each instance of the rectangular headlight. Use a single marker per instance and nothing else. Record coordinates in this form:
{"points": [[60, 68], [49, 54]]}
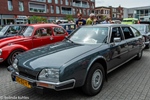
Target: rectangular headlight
{"points": [[49, 74]]}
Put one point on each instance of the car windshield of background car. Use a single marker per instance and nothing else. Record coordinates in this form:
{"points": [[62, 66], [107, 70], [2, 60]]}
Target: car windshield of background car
{"points": [[140, 27], [4, 29], [28, 31], [90, 35]]}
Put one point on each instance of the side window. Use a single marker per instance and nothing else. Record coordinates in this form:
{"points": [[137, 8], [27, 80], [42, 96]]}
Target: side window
{"points": [[135, 31], [127, 32], [58, 31], [116, 32], [43, 32]]}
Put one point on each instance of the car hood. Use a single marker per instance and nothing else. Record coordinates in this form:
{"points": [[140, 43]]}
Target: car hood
{"points": [[10, 39], [54, 55]]}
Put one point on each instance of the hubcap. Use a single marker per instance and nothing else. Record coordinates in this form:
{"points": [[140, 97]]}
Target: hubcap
{"points": [[14, 56], [97, 79]]}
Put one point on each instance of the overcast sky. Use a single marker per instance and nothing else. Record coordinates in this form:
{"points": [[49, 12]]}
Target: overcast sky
{"points": [[123, 3]]}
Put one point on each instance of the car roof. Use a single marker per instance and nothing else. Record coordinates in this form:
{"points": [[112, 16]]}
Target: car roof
{"points": [[67, 24], [139, 24], [17, 25], [130, 19], [105, 25], [45, 24]]}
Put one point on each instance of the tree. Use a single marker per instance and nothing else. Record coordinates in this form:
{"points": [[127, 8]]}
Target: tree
{"points": [[69, 17], [37, 19]]}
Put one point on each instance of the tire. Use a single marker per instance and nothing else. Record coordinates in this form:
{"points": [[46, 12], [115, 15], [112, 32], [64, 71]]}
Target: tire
{"points": [[139, 55], [147, 46], [94, 81], [12, 56]]}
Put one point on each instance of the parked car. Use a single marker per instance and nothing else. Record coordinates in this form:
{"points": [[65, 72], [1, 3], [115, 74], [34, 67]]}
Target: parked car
{"points": [[83, 59], [34, 36], [145, 31], [130, 21], [144, 22], [69, 27], [12, 30]]}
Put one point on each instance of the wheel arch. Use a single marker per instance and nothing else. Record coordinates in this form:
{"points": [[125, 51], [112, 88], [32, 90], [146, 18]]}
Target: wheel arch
{"points": [[100, 60]]}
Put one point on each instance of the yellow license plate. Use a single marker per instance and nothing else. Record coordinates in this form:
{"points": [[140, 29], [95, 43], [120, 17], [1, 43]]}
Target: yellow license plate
{"points": [[23, 82]]}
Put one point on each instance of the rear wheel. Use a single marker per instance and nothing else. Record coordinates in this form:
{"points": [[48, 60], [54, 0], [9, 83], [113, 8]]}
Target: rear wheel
{"points": [[13, 55], [94, 80]]}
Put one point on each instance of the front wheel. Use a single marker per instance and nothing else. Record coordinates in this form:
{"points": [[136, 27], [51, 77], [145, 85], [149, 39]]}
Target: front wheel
{"points": [[94, 80], [13, 55]]}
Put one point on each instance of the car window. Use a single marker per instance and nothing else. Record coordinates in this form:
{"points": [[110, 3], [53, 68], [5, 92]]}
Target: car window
{"points": [[28, 31], [127, 32], [116, 33], [135, 31], [58, 31], [43, 32], [90, 35]]}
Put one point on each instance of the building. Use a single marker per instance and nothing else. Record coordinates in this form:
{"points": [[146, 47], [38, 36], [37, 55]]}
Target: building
{"points": [[141, 13], [115, 13], [18, 11], [102, 12]]}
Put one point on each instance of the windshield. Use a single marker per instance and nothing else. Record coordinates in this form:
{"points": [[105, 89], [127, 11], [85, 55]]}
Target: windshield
{"points": [[139, 27], [3, 30], [127, 21], [28, 31], [90, 35]]}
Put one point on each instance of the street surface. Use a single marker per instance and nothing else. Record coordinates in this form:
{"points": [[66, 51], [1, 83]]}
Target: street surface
{"points": [[129, 82]]}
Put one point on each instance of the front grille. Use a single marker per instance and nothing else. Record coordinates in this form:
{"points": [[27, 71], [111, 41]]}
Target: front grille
{"points": [[27, 75]]}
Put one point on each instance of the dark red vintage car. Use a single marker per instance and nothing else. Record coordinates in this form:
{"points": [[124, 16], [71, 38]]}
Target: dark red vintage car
{"points": [[35, 35]]}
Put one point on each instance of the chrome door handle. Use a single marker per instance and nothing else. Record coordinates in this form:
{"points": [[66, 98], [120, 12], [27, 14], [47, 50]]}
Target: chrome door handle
{"points": [[51, 38]]}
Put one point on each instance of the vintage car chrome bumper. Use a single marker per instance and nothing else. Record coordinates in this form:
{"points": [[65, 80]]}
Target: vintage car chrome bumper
{"points": [[31, 83]]}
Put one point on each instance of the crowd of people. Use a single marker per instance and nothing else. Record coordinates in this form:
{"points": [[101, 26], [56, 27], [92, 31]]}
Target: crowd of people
{"points": [[90, 21]]}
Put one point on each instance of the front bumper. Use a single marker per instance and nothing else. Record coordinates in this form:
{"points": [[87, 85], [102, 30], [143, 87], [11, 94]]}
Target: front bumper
{"points": [[69, 84]]}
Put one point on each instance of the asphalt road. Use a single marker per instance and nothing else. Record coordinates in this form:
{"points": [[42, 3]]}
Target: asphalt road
{"points": [[129, 82]]}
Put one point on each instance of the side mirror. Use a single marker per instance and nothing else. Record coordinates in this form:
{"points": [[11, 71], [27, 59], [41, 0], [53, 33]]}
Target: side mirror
{"points": [[118, 39]]}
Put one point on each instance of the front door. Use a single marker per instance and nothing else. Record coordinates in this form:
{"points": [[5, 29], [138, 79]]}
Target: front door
{"points": [[118, 50]]}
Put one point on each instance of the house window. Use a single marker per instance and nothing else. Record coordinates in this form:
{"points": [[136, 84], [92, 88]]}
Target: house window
{"points": [[57, 10], [49, 1], [67, 2], [52, 9], [38, 8], [10, 6], [21, 7], [56, 1], [61, 1]]}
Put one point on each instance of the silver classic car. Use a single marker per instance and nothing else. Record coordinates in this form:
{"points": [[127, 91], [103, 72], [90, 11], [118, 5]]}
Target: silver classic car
{"points": [[145, 31], [83, 59]]}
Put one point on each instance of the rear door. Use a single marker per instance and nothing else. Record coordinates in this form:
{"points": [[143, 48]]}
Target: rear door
{"points": [[130, 35]]}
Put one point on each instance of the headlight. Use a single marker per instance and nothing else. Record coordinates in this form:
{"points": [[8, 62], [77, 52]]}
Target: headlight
{"points": [[51, 75], [14, 65], [0, 51]]}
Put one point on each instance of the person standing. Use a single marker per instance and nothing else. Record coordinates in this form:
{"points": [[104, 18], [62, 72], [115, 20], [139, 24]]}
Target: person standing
{"points": [[107, 21], [91, 19], [80, 21]]}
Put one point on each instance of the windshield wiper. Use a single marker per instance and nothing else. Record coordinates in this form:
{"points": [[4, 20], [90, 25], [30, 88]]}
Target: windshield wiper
{"points": [[68, 39]]}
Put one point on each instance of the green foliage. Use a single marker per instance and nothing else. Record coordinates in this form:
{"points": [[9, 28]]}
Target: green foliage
{"points": [[37, 19], [69, 17]]}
